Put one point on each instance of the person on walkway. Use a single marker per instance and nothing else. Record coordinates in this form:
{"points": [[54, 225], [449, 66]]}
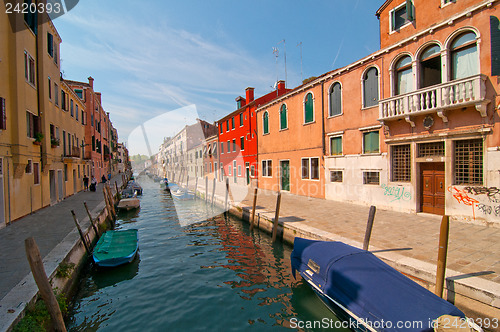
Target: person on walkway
{"points": [[85, 183], [103, 178], [93, 184]]}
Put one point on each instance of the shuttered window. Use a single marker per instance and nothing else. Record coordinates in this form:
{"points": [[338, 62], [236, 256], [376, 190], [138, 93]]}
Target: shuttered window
{"points": [[31, 16], [495, 45], [283, 117], [308, 108], [50, 44], [3, 115], [336, 146], [335, 99], [371, 142], [32, 124], [265, 122], [370, 87], [402, 15]]}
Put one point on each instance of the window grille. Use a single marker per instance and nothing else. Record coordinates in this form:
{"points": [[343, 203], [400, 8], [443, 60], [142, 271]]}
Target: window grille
{"points": [[401, 163], [468, 162], [431, 149], [335, 176], [371, 178]]}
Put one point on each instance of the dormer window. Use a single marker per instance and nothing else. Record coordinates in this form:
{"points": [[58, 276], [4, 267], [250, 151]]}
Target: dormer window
{"points": [[238, 104], [401, 15]]}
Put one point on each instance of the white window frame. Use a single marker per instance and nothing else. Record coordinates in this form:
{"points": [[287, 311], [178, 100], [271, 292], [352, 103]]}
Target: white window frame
{"points": [[309, 169], [391, 12], [264, 168]]}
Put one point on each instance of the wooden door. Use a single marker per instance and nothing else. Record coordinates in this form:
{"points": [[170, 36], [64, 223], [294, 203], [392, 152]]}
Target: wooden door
{"points": [[285, 175], [433, 188]]}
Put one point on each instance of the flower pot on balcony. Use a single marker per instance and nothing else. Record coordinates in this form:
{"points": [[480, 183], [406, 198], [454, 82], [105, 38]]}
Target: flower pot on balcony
{"points": [[37, 143]]}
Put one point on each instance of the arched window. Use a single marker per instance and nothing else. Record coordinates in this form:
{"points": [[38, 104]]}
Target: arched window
{"points": [[404, 75], [308, 108], [335, 99], [430, 66], [464, 57], [370, 87], [265, 122], [283, 117]]}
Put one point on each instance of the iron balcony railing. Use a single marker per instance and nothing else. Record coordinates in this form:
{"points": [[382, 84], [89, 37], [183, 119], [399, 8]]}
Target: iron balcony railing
{"points": [[438, 98]]}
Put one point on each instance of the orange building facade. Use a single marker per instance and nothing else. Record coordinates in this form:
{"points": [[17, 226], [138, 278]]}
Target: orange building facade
{"points": [[413, 127]]}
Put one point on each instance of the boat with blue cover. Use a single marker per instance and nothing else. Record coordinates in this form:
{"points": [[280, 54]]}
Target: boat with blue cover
{"points": [[116, 247], [360, 288]]}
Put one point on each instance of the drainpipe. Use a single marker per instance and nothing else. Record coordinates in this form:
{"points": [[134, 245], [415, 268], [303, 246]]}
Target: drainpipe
{"points": [[38, 101], [323, 129], [8, 190]]}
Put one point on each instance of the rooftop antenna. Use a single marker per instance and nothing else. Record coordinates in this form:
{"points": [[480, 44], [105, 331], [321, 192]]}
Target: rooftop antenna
{"points": [[301, 75], [276, 53], [284, 45]]}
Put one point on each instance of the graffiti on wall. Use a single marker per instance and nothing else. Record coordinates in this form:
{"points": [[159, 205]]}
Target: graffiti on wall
{"points": [[488, 208], [396, 193]]}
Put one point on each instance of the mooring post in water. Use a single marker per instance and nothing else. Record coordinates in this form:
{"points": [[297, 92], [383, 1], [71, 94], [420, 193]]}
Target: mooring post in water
{"points": [[110, 200], [369, 226], [195, 186], [206, 189], [442, 253], [110, 213], [116, 188], [213, 192], [227, 195], [253, 208], [276, 216], [187, 182], [36, 265], [91, 220], [82, 236]]}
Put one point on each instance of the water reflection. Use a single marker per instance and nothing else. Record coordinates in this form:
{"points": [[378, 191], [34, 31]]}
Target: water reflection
{"points": [[214, 274]]}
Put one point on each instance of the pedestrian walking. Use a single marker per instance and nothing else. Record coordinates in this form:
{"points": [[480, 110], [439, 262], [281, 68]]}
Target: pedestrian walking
{"points": [[103, 178], [93, 184], [85, 183]]}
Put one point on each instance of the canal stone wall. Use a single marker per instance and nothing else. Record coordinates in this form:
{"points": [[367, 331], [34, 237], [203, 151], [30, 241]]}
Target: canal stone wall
{"points": [[477, 297], [70, 251]]}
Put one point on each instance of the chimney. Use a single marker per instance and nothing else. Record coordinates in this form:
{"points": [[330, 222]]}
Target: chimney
{"points": [[281, 87], [91, 82], [98, 95], [249, 94]]}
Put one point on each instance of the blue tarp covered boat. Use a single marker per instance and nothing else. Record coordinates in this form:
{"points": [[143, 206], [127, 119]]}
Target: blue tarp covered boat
{"points": [[358, 286]]}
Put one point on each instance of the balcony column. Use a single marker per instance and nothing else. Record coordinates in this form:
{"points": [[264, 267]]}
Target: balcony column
{"points": [[444, 66]]}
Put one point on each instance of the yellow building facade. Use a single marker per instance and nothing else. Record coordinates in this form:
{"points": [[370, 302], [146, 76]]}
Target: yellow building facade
{"points": [[41, 128]]}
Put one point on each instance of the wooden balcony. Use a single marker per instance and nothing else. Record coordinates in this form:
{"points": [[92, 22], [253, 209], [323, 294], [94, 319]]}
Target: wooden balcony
{"points": [[470, 91], [72, 155]]}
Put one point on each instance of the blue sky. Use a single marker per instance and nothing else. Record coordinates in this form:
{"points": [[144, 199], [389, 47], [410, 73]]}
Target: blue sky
{"points": [[152, 57]]}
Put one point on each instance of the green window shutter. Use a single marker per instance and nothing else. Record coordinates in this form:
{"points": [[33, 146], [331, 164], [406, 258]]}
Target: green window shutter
{"points": [[266, 123], [308, 109], [283, 119], [409, 10], [371, 142], [495, 45], [336, 146]]}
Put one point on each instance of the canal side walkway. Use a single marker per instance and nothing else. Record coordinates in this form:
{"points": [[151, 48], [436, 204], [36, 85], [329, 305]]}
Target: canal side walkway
{"points": [[407, 241], [55, 233]]}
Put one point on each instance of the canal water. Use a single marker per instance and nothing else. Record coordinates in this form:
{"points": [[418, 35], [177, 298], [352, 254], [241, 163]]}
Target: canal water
{"points": [[209, 275]]}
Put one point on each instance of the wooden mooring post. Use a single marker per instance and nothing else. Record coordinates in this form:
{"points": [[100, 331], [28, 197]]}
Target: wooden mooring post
{"points": [[369, 226], [213, 192], [116, 188], [276, 216], [442, 253], [195, 186], [36, 265], [253, 208], [83, 237], [110, 212], [227, 195], [91, 220], [206, 189]]}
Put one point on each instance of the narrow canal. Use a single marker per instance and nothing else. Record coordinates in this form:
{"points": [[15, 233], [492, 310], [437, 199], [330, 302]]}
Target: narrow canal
{"points": [[210, 275]]}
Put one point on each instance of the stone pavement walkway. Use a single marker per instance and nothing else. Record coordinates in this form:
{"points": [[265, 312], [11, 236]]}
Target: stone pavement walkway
{"points": [[49, 226], [472, 249]]}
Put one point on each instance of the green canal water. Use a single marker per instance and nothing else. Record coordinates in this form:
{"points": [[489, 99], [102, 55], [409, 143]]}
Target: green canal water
{"points": [[210, 275]]}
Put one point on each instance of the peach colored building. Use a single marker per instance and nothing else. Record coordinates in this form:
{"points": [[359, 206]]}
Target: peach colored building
{"points": [[290, 142], [412, 127]]}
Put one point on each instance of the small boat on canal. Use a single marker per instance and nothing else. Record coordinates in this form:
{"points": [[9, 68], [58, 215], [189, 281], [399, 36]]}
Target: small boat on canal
{"points": [[129, 203], [116, 248], [182, 194], [135, 187], [360, 288]]}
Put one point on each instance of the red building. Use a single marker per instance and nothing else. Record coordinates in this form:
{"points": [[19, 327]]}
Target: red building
{"points": [[238, 137], [97, 134]]}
